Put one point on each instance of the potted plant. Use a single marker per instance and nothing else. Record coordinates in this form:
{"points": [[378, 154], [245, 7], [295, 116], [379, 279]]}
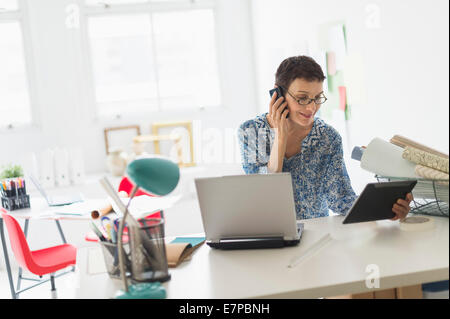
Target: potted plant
{"points": [[11, 171]]}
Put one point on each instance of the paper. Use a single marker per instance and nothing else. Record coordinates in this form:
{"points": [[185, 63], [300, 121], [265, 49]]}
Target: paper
{"points": [[331, 63], [76, 209], [385, 159], [321, 58], [141, 206], [337, 44]]}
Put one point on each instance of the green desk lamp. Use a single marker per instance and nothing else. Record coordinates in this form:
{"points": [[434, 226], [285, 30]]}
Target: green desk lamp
{"points": [[158, 176]]}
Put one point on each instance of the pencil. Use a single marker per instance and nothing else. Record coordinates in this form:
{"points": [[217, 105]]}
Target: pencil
{"points": [[322, 242]]}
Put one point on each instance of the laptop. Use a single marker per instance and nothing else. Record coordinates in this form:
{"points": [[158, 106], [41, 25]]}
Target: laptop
{"points": [[56, 200], [248, 211]]}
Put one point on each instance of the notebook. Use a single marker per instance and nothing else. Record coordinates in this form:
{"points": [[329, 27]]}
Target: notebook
{"points": [[181, 249]]}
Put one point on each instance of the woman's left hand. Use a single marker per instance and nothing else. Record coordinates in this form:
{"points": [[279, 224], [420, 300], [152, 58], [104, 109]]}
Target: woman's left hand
{"points": [[401, 208]]}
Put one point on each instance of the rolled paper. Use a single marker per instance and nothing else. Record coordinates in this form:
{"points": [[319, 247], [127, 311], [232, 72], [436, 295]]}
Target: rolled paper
{"points": [[385, 159], [426, 159], [101, 212], [404, 142], [430, 173], [107, 208]]}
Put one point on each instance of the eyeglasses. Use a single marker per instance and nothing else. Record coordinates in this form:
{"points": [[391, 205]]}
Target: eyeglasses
{"points": [[306, 100]]}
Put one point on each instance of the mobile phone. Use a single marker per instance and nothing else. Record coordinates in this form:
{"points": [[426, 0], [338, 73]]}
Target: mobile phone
{"points": [[280, 93]]}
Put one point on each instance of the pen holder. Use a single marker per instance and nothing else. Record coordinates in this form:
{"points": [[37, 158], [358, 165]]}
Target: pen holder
{"points": [[16, 202], [14, 194], [148, 251], [111, 256]]}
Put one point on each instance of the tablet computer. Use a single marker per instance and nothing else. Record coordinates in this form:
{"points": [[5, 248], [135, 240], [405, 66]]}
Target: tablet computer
{"points": [[376, 201]]}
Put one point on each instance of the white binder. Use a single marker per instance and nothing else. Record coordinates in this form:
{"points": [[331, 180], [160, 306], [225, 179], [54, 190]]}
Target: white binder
{"points": [[61, 161]]}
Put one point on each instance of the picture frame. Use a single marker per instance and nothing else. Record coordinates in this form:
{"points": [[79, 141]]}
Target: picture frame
{"points": [[123, 134], [183, 128]]}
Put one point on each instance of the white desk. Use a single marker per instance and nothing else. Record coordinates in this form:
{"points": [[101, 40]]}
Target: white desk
{"points": [[404, 259]]}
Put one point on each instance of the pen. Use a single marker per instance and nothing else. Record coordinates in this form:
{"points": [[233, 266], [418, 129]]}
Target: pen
{"points": [[19, 181], [322, 242], [97, 232]]}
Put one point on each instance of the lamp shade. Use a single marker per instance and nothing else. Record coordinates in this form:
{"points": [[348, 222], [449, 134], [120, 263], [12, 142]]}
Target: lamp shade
{"points": [[156, 175]]}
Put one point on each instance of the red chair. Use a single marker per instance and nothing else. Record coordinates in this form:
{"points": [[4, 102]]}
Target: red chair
{"points": [[39, 262], [127, 186]]}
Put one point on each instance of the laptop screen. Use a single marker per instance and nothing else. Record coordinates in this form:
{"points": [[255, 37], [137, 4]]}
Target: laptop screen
{"points": [[38, 186]]}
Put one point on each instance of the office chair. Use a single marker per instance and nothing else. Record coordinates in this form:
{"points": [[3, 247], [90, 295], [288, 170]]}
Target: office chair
{"points": [[127, 186], [39, 262]]}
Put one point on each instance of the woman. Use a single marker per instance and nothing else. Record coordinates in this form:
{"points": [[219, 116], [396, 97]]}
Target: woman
{"points": [[289, 138]]}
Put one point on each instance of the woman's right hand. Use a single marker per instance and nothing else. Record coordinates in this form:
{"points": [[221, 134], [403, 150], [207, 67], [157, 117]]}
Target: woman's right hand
{"points": [[277, 118]]}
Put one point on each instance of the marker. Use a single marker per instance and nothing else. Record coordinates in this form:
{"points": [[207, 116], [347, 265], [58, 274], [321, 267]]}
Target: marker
{"points": [[11, 182], [108, 230], [113, 234]]}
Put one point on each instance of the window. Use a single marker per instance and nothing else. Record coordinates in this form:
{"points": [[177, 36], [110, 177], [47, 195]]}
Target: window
{"points": [[152, 55], [14, 96]]}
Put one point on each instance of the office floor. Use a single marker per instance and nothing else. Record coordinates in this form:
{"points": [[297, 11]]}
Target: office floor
{"points": [[64, 285]]}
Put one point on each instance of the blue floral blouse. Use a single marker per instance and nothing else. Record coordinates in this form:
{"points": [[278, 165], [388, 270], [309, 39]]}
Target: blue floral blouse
{"points": [[319, 176]]}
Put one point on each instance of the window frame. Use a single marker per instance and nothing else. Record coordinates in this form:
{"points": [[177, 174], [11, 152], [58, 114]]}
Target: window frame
{"points": [[19, 16], [88, 11]]}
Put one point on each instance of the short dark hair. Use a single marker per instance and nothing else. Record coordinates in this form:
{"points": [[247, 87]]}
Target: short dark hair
{"points": [[303, 67]]}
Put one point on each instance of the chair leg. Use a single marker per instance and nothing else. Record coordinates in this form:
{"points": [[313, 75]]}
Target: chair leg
{"points": [[25, 232], [52, 282], [19, 279]]}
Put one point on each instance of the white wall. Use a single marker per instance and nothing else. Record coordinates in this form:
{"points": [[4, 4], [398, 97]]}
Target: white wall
{"points": [[403, 64], [404, 71], [65, 111]]}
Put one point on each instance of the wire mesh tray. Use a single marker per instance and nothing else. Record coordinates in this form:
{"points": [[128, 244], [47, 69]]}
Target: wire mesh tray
{"points": [[431, 197]]}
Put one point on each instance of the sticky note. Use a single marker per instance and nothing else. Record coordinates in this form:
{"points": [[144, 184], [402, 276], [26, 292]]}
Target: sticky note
{"points": [[342, 98], [331, 63]]}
